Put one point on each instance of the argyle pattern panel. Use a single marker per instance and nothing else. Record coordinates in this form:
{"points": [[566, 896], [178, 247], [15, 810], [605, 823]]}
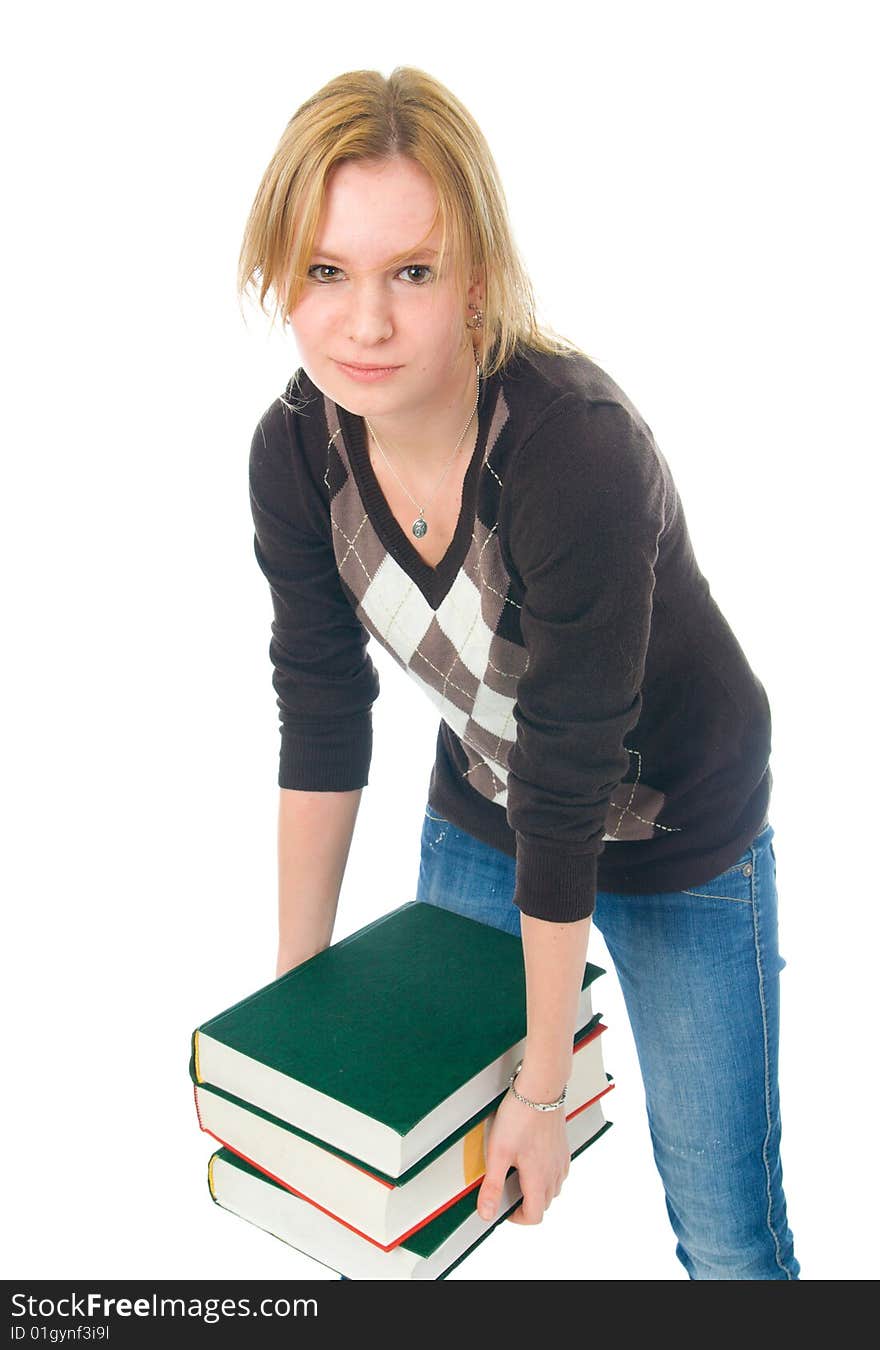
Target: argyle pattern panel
{"points": [[468, 654]]}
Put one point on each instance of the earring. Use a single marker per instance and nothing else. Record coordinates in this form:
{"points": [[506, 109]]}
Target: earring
{"points": [[477, 320]]}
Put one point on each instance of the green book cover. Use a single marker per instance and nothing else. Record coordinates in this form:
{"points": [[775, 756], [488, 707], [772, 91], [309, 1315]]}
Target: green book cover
{"points": [[379, 1031]]}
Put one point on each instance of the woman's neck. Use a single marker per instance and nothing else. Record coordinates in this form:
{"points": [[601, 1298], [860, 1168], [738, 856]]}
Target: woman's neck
{"points": [[429, 435]]}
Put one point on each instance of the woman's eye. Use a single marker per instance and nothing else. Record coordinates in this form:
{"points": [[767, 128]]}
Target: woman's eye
{"points": [[417, 267], [417, 274]]}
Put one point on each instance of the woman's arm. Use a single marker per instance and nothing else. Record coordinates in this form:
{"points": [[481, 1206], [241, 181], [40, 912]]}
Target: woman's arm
{"points": [[535, 1142], [583, 511], [314, 837], [555, 955], [324, 679]]}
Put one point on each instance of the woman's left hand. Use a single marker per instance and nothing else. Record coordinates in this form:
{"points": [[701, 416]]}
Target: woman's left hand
{"points": [[536, 1144]]}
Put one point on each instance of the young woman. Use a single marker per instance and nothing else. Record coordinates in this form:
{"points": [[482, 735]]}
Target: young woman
{"points": [[483, 499]]}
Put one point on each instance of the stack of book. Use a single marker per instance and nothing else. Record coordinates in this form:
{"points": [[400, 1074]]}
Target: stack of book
{"points": [[353, 1096]]}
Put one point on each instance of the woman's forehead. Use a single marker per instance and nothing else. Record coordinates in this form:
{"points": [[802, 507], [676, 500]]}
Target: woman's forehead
{"points": [[374, 213]]}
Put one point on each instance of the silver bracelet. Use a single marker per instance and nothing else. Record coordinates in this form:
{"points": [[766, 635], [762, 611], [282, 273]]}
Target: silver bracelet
{"points": [[539, 1106]]}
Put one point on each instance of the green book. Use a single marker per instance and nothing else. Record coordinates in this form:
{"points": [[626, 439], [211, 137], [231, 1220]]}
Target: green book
{"points": [[387, 1041], [429, 1254]]}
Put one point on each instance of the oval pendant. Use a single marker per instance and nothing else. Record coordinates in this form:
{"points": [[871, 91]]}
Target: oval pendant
{"points": [[420, 528]]}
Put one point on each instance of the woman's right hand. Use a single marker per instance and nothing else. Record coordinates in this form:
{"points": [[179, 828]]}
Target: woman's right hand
{"points": [[292, 955], [314, 835]]}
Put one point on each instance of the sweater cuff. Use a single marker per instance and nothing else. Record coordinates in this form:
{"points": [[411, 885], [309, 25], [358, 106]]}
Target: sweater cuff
{"points": [[552, 884], [325, 761]]}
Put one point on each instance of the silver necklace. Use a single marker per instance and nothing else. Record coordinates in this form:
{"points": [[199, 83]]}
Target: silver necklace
{"points": [[420, 525]]}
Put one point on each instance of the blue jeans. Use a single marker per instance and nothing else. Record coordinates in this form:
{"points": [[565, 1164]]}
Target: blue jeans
{"points": [[699, 971]]}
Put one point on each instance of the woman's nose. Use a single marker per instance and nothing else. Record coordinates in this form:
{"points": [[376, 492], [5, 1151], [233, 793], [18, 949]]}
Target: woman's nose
{"points": [[369, 316]]}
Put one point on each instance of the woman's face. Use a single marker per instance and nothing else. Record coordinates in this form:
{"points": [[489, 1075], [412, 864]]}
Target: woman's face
{"points": [[360, 307]]}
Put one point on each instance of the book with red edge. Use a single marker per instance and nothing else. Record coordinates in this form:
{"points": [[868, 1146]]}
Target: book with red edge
{"points": [[382, 1209], [431, 1253]]}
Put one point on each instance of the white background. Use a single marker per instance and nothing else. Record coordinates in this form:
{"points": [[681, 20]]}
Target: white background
{"points": [[690, 186]]}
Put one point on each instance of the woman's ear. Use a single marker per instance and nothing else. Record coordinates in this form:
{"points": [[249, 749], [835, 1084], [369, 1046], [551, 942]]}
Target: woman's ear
{"points": [[476, 290]]}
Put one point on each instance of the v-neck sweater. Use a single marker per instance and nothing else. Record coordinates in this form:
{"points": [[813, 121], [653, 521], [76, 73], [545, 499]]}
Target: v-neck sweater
{"points": [[600, 722]]}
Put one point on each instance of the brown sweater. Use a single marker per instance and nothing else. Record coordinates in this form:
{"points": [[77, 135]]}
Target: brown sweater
{"points": [[599, 720]]}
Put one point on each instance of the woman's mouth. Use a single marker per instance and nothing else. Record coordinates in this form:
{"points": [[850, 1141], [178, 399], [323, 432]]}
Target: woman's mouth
{"points": [[365, 374]]}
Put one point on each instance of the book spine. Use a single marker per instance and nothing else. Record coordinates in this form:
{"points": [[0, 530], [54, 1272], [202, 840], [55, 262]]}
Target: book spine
{"points": [[194, 1058]]}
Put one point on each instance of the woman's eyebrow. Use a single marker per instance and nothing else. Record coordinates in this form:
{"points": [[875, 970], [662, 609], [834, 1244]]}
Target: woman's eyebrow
{"points": [[398, 257]]}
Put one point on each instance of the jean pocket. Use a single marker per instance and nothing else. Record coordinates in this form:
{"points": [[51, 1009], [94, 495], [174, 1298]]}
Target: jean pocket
{"points": [[434, 830], [734, 884]]}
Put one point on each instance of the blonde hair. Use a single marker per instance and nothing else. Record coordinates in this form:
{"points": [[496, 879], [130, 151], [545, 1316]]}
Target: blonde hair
{"points": [[363, 115]]}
